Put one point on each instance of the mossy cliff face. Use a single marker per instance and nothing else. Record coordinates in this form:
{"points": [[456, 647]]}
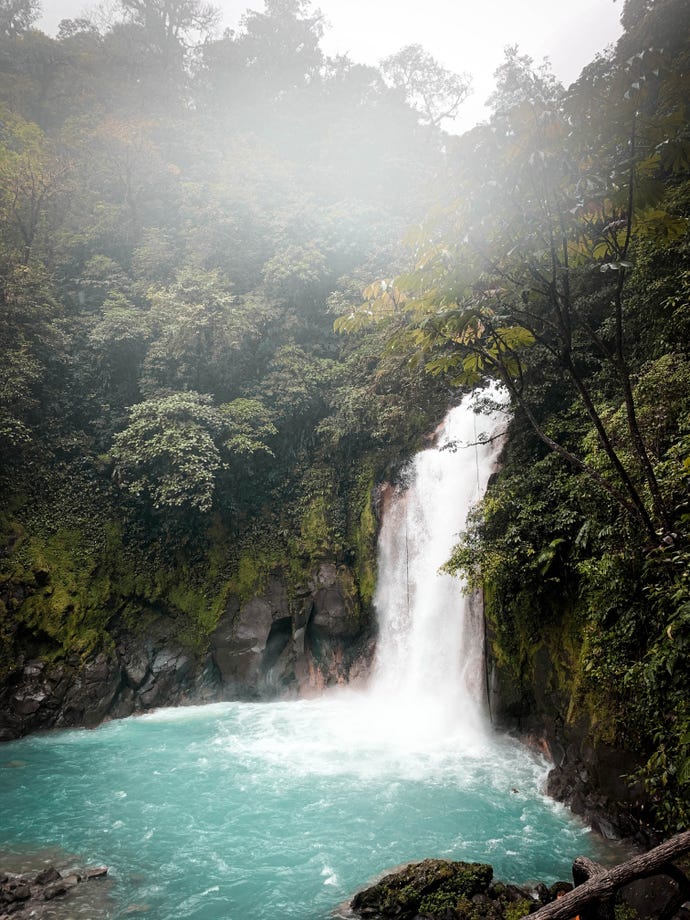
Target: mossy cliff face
{"points": [[538, 687], [281, 641], [94, 625]]}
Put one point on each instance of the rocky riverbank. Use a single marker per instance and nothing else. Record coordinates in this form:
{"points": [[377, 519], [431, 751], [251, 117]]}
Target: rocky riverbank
{"points": [[444, 889], [28, 895], [438, 889]]}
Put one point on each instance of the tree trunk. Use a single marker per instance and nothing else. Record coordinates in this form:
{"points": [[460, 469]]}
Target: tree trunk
{"points": [[596, 885]]}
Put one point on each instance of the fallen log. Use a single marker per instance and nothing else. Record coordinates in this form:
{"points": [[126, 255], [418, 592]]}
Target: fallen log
{"points": [[597, 885]]}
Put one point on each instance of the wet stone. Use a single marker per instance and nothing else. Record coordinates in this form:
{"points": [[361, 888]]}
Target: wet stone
{"points": [[47, 876], [22, 895]]}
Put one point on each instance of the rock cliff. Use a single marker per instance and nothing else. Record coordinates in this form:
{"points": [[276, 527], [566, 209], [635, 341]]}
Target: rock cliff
{"points": [[280, 642]]}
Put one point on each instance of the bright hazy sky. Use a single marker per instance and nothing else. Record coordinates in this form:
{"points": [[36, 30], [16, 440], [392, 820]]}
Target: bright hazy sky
{"points": [[463, 35]]}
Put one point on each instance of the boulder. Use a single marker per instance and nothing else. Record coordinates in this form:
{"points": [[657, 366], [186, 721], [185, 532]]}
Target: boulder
{"points": [[432, 888], [440, 889], [21, 895], [245, 645]]}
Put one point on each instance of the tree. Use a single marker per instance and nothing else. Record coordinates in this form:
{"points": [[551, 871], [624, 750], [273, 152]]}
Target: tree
{"points": [[172, 26], [530, 262], [119, 340], [171, 452], [436, 93], [32, 354], [281, 45], [249, 424], [168, 455], [135, 183], [34, 185], [17, 16], [202, 337]]}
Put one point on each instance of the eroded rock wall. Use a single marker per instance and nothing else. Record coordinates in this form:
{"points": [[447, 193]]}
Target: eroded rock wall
{"points": [[283, 642]]}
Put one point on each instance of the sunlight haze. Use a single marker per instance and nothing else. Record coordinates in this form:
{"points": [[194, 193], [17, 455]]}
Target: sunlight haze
{"points": [[464, 37]]}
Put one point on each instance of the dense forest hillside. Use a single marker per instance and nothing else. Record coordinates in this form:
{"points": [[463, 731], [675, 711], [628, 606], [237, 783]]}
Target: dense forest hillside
{"points": [[196, 405]]}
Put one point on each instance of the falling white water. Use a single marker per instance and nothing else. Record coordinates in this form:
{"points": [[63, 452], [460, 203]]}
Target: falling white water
{"points": [[430, 651]]}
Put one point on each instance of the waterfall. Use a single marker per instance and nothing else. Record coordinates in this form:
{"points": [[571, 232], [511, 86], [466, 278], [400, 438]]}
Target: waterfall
{"points": [[429, 662]]}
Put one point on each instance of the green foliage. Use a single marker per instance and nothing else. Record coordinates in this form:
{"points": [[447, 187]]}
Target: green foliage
{"points": [[249, 423], [362, 533], [168, 455], [182, 215], [558, 266]]}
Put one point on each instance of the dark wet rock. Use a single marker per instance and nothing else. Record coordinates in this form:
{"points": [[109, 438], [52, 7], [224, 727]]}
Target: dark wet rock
{"points": [[591, 778], [334, 615], [55, 890], [34, 667], [240, 638], [47, 876], [22, 895], [283, 643], [591, 781], [438, 889], [135, 664], [20, 892], [26, 704]]}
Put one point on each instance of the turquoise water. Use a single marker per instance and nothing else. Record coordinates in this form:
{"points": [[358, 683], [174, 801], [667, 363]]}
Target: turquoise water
{"points": [[277, 810]]}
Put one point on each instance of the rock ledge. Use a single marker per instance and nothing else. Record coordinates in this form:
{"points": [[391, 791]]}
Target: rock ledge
{"points": [[23, 895]]}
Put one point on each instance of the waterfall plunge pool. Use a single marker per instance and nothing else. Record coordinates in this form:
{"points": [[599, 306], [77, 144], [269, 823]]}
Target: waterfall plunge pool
{"points": [[281, 811], [234, 811]]}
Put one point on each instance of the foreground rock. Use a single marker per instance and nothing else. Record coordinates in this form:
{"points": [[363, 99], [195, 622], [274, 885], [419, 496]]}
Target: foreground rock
{"points": [[648, 886], [26, 895], [438, 888]]}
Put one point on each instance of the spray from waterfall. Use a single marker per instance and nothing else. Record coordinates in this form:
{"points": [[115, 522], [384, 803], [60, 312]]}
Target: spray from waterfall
{"points": [[429, 664]]}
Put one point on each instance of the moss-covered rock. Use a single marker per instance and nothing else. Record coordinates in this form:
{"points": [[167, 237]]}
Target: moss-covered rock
{"points": [[432, 888], [439, 889]]}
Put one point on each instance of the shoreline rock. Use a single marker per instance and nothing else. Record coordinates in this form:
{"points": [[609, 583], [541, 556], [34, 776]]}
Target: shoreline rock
{"points": [[26, 895], [440, 888]]}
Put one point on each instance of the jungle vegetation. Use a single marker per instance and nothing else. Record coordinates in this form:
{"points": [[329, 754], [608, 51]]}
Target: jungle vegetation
{"points": [[188, 223], [557, 266]]}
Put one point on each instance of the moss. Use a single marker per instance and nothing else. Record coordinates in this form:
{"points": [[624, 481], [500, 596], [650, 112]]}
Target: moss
{"points": [[67, 590], [429, 889], [83, 574], [516, 910], [364, 535], [59, 597], [315, 532], [625, 912], [251, 572]]}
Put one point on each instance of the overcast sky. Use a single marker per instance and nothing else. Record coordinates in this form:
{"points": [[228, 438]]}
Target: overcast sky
{"points": [[462, 35]]}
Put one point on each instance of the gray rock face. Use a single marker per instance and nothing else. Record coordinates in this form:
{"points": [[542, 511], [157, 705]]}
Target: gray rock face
{"points": [[139, 673], [333, 614], [282, 645], [279, 643]]}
